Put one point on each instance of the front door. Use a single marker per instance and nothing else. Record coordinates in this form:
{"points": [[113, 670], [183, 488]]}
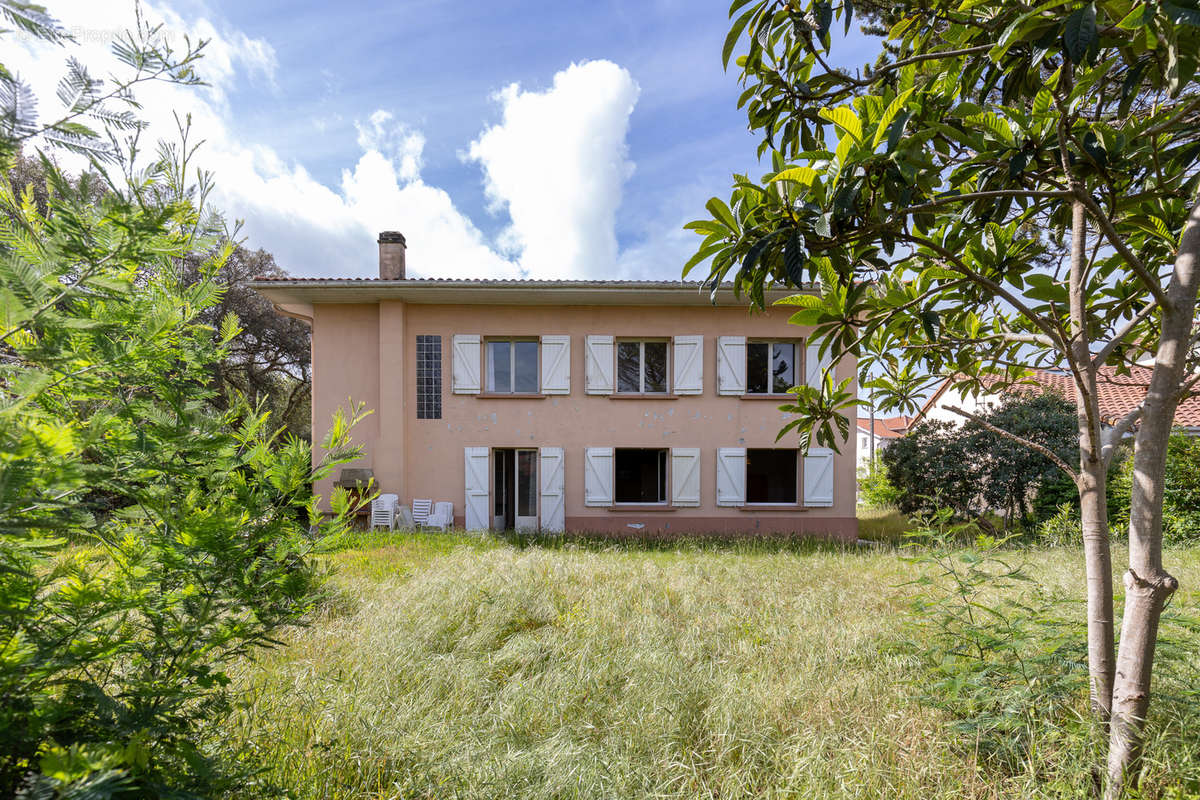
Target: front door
{"points": [[527, 485], [515, 489]]}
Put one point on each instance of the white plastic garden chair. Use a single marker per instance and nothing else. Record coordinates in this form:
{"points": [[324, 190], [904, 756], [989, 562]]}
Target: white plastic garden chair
{"points": [[420, 511], [442, 516], [383, 511]]}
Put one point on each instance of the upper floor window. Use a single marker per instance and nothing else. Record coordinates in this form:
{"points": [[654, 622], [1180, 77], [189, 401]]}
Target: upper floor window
{"points": [[771, 367], [642, 367], [429, 377], [512, 366]]}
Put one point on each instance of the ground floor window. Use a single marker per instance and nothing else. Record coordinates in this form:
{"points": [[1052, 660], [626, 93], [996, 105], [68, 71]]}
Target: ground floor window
{"points": [[641, 475], [771, 476]]}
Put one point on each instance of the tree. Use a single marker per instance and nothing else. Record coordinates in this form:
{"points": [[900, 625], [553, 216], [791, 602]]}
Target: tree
{"points": [[270, 359], [117, 629], [973, 470], [1009, 186]]}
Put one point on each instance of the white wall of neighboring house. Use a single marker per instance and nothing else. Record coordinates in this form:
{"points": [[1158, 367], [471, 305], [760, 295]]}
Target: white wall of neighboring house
{"points": [[940, 409], [864, 448]]}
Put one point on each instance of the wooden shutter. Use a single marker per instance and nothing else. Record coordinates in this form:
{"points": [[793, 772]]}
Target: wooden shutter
{"points": [[731, 365], [731, 476], [689, 364], [556, 364], [551, 483], [685, 476], [599, 358], [476, 483], [814, 366], [598, 477], [466, 363], [818, 477]]}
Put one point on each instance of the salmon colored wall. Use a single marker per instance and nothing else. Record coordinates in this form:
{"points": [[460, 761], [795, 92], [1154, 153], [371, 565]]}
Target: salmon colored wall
{"points": [[345, 370], [424, 458]]}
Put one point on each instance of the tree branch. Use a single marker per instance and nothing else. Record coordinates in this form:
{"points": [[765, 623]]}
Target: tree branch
{"points": [[1138, 318], [1106, 227], [1114, 435]]}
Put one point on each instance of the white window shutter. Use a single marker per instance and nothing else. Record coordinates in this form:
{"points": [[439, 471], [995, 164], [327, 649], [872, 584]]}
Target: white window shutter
{"points": [[599, 356], [685, 476], [689, 364], [731, 365], [477, 502], [818, 477], [814, 366], [598, 477], [556, 364], [466, 363], [552, 481], [731, 476]]}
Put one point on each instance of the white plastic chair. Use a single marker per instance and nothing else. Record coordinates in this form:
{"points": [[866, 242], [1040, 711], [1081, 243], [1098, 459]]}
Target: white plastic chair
{"points": [[420, 511], [442, 516], [383, 511]]}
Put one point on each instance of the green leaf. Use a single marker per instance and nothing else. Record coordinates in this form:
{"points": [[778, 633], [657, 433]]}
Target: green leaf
{"points": [[794, 256], [889, 114], [716, 206], [802, 175], [1080, 34], [845, 118], [1136, 18], [735, 33]]}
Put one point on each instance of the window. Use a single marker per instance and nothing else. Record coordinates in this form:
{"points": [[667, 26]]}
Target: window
{"points": [[642, 367], [640, 476], [771, 367], [771, 476], [429, 377], [512, 366]]}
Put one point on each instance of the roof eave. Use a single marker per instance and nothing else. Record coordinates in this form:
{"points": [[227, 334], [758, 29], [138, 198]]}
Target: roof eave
{"points": [[446, 292]]}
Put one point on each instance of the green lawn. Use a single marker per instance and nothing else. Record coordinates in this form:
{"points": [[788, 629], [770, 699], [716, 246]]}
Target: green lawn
{"points": [[450, 666]]}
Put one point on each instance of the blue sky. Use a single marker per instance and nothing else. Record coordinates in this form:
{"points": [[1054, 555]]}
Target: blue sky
{"points": [[519, 139]]}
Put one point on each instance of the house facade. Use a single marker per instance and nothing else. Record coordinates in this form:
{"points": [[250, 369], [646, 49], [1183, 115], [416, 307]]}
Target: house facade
{"points": [[887, 430], [600, 406]]}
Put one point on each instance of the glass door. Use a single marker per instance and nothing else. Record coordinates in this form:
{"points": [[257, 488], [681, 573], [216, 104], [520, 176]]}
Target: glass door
{"points": [[527, 491]]}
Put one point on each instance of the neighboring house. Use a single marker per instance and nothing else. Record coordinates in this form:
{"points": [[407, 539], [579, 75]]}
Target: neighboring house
{"points": [[887, 430], [572, 405], [1118, 395]]}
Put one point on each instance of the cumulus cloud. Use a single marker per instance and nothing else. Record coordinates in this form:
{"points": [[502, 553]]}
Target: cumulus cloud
{"points": [[555, 163]]}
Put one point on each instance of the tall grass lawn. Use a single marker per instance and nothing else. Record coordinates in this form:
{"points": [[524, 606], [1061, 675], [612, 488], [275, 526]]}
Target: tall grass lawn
{"points": [[460, 667]]}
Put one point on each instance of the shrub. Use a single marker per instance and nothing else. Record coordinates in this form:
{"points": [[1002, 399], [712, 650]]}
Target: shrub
{"points": [[874, 488], [1181, 490], [998, 655], [119, 621], [973, 471]]}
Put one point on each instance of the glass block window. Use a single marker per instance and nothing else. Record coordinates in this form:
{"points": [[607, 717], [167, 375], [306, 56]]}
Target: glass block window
{"points": [[429, 377]]}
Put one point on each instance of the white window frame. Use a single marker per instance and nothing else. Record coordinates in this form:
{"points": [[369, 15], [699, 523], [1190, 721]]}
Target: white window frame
{"points": [[641, 366], [512, 364], [798, 352]]}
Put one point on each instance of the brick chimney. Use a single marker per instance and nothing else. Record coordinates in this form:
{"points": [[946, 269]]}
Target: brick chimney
{"points": [[391, 256]]}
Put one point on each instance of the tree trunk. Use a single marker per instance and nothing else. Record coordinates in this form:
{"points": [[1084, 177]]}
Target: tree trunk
{"points": [[1147, 584], [1093, 478]]}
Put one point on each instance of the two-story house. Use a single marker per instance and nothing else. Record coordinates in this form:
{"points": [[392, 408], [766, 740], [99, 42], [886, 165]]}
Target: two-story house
{"points": [[573, 405]]}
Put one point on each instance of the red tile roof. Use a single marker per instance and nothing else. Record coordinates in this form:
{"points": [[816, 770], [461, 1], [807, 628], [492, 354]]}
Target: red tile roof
{"points": [[1119, 394], [886, 427]]}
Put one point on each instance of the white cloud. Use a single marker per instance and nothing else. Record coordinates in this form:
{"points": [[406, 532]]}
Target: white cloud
{"points": [[557, 163]]}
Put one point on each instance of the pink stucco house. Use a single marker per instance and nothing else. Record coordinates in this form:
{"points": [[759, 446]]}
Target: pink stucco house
{"points": [[572, 405]]}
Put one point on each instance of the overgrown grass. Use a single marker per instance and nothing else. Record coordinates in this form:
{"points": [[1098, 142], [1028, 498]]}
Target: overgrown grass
{"points": [[455, 666]]}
